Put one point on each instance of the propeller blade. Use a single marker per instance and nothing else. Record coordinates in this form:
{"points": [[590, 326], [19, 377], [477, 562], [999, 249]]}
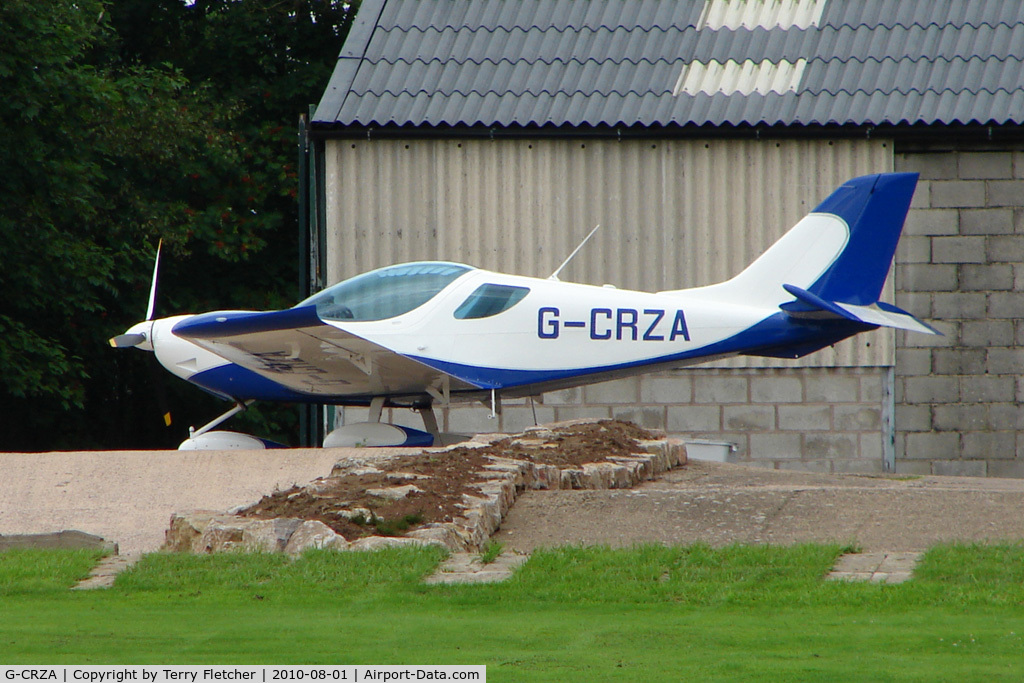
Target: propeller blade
{"points": [[126, 341], [152, 287]]}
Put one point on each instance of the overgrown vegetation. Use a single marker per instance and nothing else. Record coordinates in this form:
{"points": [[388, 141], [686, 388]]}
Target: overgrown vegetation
{"points": [[647, 613], [388, 527], [491, 550]]}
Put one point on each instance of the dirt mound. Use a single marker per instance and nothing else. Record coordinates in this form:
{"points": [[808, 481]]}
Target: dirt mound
{"points": [[408, 492]]}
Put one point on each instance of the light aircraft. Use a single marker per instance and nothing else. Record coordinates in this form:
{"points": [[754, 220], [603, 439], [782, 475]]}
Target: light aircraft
{"points": [[431, 333]]}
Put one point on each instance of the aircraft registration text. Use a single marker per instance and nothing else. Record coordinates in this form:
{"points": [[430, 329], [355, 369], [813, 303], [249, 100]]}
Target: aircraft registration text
{"points": [[629, 324]]}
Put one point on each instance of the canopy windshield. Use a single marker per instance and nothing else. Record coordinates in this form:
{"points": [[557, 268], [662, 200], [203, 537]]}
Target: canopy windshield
{"points": [[385, 293]]}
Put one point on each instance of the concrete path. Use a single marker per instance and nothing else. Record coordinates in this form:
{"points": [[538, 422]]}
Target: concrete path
{"points": [[104, 573], [721, 504], [128, 496], [467, 568], [875, 567]]}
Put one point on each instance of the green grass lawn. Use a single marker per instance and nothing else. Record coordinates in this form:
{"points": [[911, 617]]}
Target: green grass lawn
{"points": [[650, 613]]}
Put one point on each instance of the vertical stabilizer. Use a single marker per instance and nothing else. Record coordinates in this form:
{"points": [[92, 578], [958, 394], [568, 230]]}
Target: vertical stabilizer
{"points": [[874, 207], [841, 251]]}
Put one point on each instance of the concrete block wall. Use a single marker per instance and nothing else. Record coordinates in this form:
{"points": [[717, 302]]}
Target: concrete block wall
{"points": [[961, 266]]}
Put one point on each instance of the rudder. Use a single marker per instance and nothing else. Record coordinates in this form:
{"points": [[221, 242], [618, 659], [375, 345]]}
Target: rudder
{"points": [[875, 208]]}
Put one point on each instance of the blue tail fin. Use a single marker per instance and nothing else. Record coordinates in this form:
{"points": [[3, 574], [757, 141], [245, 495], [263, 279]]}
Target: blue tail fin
{"points": [[874, 207]]}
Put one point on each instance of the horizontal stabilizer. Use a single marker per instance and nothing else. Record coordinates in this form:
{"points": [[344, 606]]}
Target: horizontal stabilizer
{"points": [[812, 306]]}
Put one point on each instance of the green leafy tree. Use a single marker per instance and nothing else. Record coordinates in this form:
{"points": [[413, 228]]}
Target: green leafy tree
{"points": [[124, 122]]}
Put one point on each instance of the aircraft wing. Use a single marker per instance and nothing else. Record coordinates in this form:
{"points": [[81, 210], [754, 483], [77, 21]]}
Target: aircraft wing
{"points": [[296, 349]]}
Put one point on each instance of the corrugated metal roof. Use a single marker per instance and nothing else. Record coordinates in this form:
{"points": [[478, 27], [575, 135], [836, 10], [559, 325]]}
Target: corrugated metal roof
{"points": [[679, 62]]}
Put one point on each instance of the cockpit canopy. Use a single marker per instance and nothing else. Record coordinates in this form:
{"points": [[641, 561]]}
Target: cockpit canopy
{"points": [[386, 292]]}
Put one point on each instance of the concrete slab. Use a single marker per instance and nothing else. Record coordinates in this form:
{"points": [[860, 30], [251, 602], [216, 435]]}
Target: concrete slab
{"points": [[875, 567], [719, 504], [68, 539], [104, 573], [128, 496], [467, 568]]}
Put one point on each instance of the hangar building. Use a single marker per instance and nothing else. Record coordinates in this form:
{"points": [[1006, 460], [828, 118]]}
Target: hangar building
{"points": [[696, 132]]}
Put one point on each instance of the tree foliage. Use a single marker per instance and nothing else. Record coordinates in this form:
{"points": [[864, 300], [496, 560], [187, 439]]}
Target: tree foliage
{"points": [[123, 122]]}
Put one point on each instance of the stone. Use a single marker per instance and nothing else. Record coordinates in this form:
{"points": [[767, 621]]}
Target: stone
{"points": [[440, 534], [405, 476], [242, 533], [571, 478], [67, 539], [876, 567], [356, 513], [640, 467], [378, 542], [605, 475], [394, 492], [518, 470], [467, 568], [185, 530], [314, 534]]}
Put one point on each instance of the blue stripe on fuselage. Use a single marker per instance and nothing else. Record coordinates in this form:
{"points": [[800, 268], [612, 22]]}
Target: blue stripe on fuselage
{"points": [[777, 336]]}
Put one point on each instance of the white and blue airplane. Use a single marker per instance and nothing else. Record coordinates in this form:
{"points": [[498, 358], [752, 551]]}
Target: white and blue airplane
{"points": [[430, 333]]}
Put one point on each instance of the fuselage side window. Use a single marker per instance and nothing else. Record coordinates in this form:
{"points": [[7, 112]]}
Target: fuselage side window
{"points": [[385, 293], [488, 300]]}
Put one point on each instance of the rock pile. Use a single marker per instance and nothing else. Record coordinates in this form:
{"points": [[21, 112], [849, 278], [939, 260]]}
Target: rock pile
{"points": [[503, 467]]}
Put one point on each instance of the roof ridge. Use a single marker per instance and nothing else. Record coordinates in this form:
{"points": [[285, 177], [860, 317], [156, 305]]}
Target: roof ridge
{"points": [[684, 61], [561, 28], [865, 60], [663, 91], [528, 29], [516, 93], [538, 60], [919, 91], [858, 27], [927, 25], [680, 28]]}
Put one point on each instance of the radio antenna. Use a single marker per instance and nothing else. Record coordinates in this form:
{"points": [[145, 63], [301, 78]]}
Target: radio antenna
{"points": [[554, 275]]}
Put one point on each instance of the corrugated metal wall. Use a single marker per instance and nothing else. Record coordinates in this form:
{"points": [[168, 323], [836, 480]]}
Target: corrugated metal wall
{"points": [[674, 214]]}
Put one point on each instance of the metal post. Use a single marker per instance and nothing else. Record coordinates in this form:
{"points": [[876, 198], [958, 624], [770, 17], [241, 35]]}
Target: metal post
{"points": [[889, 420], [309, 422]]}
